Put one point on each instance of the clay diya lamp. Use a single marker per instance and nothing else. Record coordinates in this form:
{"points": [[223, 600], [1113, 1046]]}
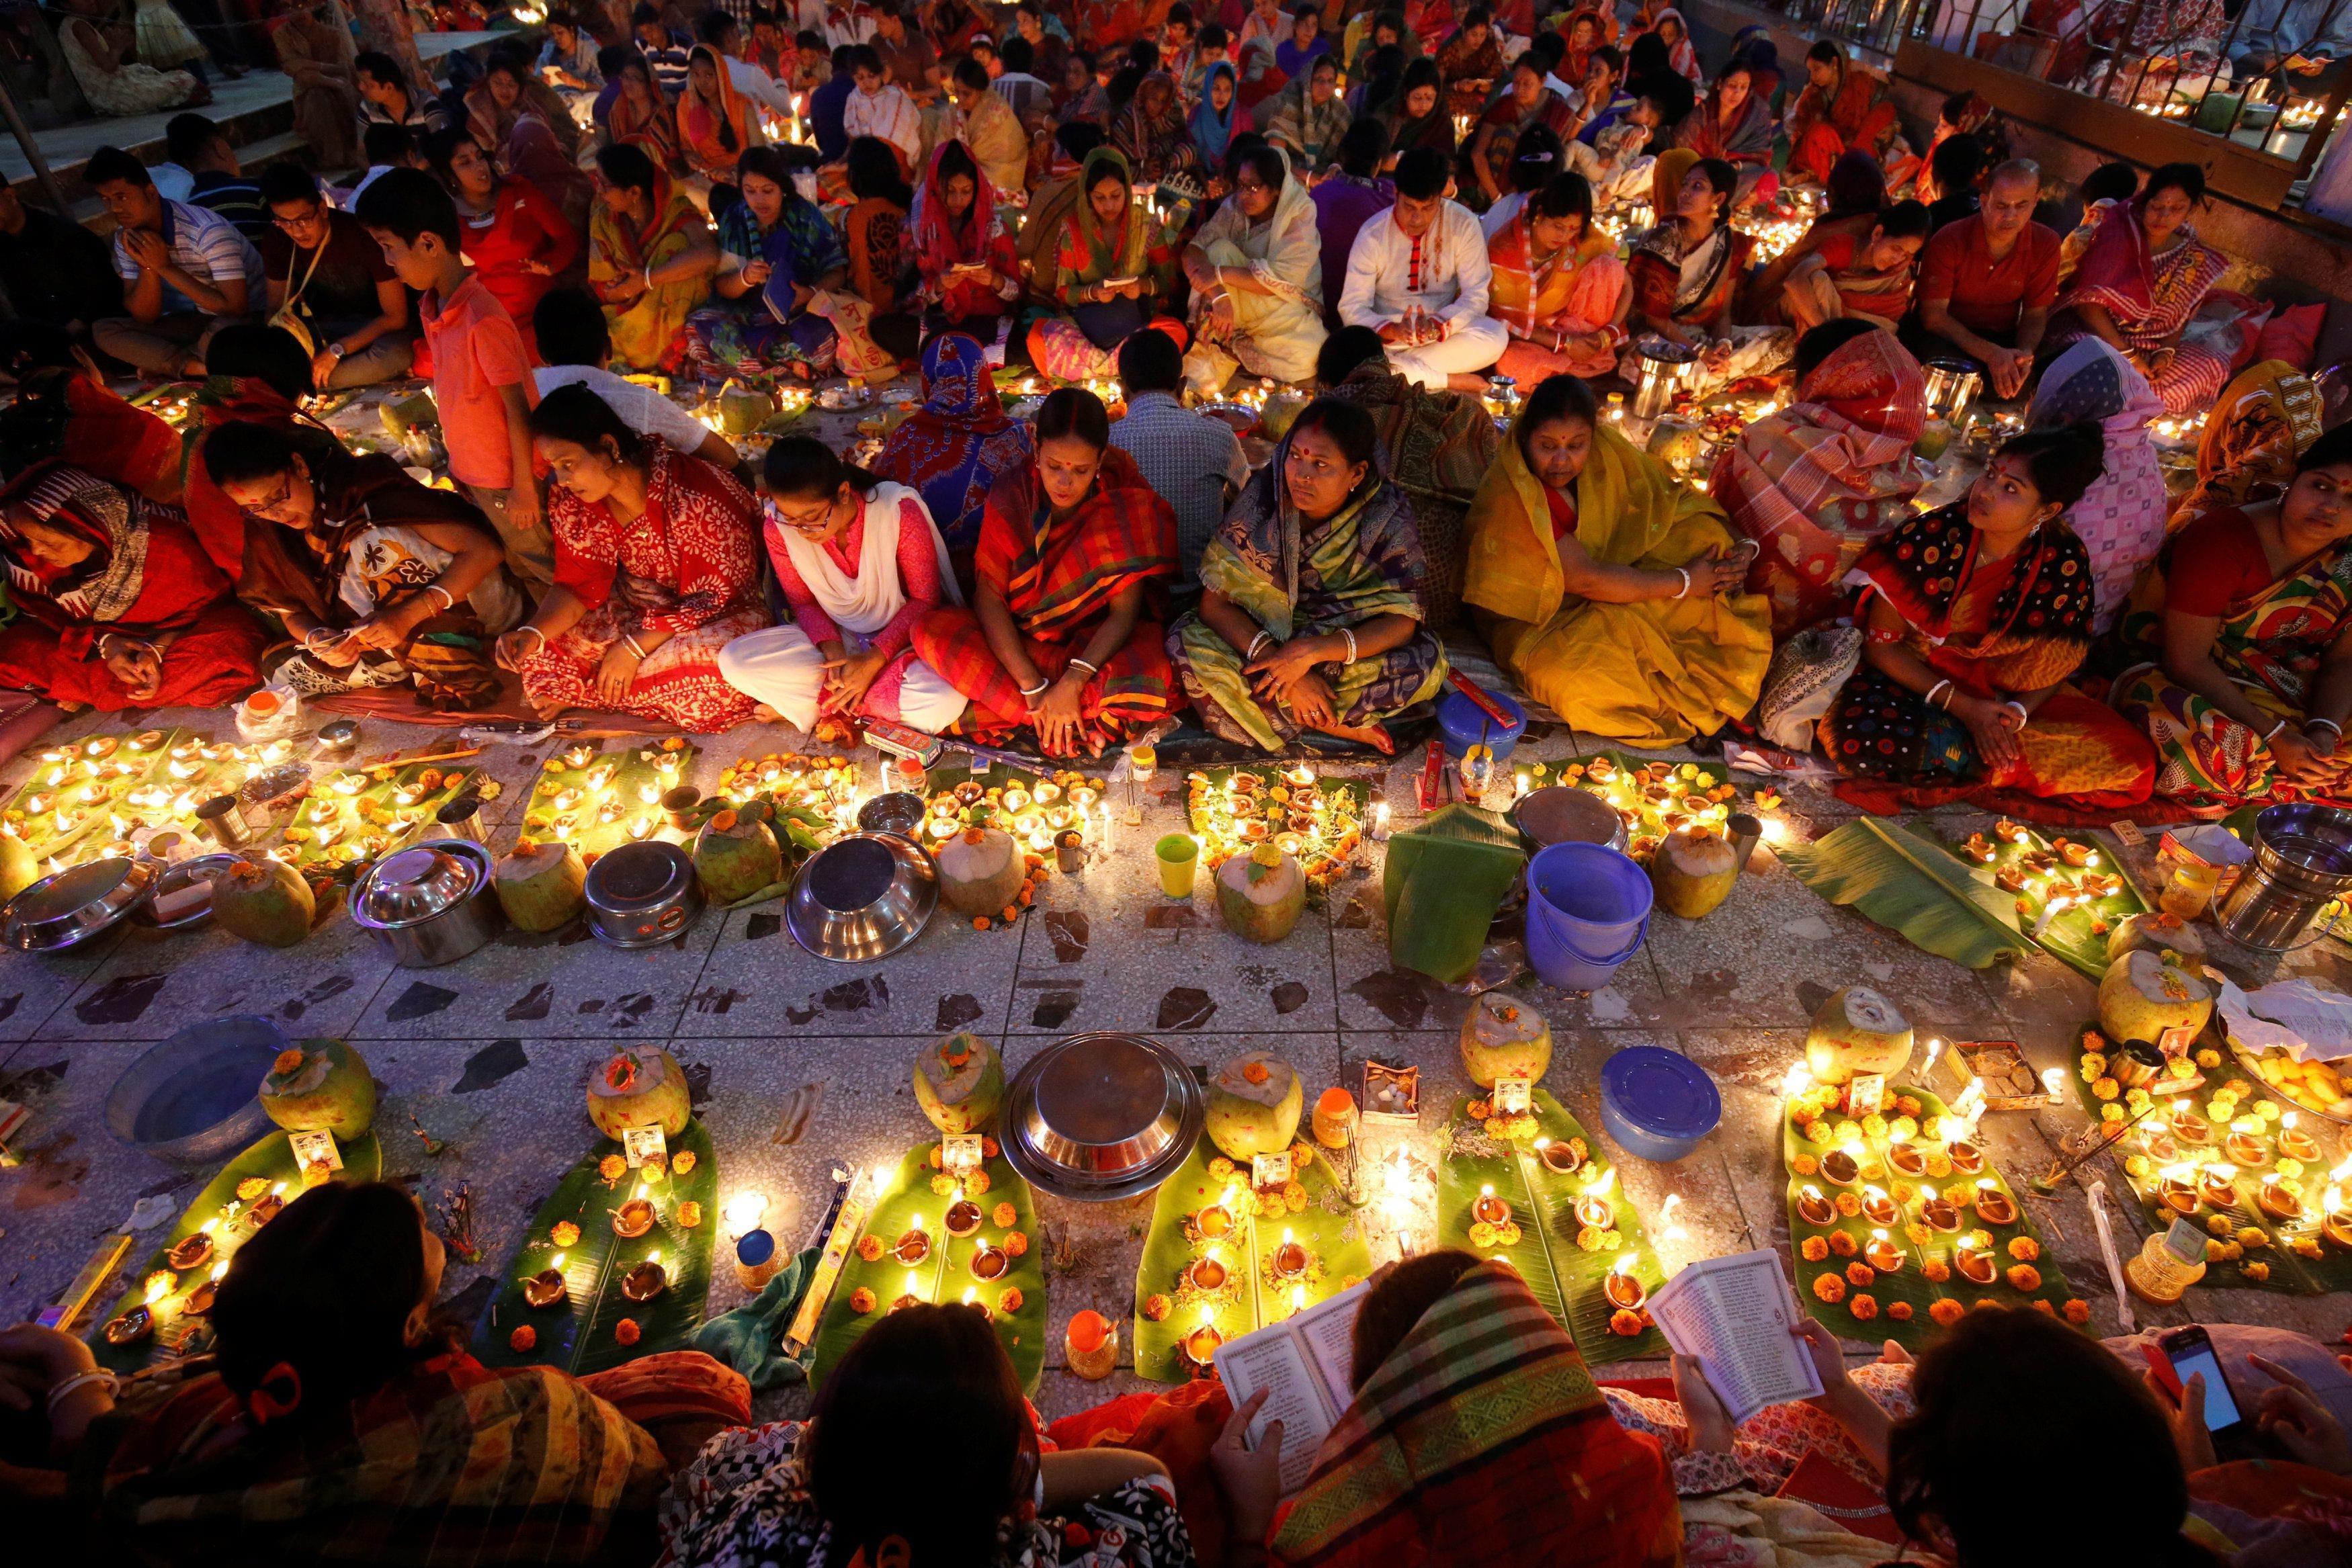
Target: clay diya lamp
{"points": [[2218, 1186], [131, 1327], [2273, 1198], [546, 1288], [914, 1245], [1202, 1344], [265, 1209], [192, 1254], [634, 1218], [903, 1303], [2159, 1146], [1560, 1157], [2294, 1143], [1995, 1207], [1595, 1212], [2245, 1149], [200, 1300], [1883, 1255], [1977, 1268], [2338, 1224], [1214, 1222], [962, 1218], [1840, 1169], [989, 1263], [645, 1282], [2177, 1195], [1624, 1291], [1811, 1207], [1290, 1258], [1879, 1208], [1493, 1210], [1940, 1214], [1906, 1159], [1966, 1155], [1207, 1273], [2189, 1127]]}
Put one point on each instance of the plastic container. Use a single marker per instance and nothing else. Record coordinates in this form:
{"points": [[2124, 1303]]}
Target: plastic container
{"points": [[1657, 1103], [1588, 912], [1461, 725]]}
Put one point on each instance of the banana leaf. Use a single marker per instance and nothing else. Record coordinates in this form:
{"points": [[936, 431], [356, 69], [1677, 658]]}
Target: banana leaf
{"points": [[2077, 936], [1567, 1278], [945, 1274], [1342, 806], [1251, 1296], [577, 1335], [1913, 887], [635, 768], [1909, 1284], [1444, 881], [270, 1159], [62, 772]]}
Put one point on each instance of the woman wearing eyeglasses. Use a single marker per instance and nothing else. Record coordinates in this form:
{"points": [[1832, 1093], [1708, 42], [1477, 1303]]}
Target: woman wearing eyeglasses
{"points": [[376, 579], [861, 564]]}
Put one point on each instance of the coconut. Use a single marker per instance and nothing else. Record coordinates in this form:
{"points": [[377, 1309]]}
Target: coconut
{"points": [[19, 867], [540, 886], [743, 409], [2144, 997], [264, 901], [2155, 932], [1260, 894], [321, 1085], [1253, 1105], [1504, 1039], [735, 856], [960, 1082], [1855, 1031], [979, 870], [640, 1086], [1693, 870]]}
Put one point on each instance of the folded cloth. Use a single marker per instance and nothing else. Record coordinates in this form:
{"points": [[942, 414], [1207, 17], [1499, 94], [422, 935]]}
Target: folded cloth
{"points": [[2309, 1024], [750, 1338], [1443, 882]]}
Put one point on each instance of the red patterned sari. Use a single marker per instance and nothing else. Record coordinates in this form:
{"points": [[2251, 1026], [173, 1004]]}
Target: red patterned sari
{"points": [[1058, 576]]}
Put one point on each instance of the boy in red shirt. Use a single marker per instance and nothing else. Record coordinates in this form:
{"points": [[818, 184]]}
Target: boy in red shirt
{"points": [[481, 373]]}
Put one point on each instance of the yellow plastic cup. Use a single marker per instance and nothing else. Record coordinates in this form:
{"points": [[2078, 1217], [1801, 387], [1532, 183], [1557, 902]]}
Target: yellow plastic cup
{"points": [[1179, 858]]}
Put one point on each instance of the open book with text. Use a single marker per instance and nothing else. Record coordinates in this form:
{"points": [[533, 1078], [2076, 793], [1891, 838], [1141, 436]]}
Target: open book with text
{"points": [[1735, 1314], [1304, 1362]]}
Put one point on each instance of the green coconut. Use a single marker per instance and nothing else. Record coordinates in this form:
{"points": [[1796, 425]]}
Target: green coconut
{"points": [[321, 1085], [2155, 932], [1856, 1032], [639, 1086], [19, 867], [743, 409], [980, 871], [1260, 894], [1693, 870], [1504, 1039], [403, 415], [960, 1082], [1253, 1105], [541, 886], [2144, 996], [264, 901], [735, 855]]}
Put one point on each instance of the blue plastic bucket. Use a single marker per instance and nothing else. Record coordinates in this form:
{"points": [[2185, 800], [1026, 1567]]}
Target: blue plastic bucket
{"points": [[1657, 1103], [1461, 725], [1588, 912]]}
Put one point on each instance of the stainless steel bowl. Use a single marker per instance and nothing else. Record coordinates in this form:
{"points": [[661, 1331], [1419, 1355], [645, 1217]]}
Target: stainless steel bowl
{"points": [[74, 905], [1562, 813], [430, 905], [642, 894], [900, 812], [1099, 1117], [190, 1100], [863, 896]]}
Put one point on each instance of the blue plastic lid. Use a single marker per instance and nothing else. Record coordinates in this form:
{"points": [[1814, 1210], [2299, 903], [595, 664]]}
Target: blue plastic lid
{"points": [[1459, 716], [755, 1248], [1661, 1091]]}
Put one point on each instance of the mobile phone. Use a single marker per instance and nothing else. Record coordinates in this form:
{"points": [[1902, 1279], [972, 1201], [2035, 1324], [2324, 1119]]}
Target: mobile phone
{"points": [[2186, 1351]]}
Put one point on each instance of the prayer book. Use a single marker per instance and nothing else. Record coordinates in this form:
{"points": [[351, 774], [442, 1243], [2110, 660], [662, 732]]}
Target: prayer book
{"points": [[1735, 1315], [1304, 1360]]}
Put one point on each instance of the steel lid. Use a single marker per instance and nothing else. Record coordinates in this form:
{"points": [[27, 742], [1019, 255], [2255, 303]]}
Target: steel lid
{"points": [[852, 874], [414, 885], [1097, 1117], [639, 877], [74, 905]]}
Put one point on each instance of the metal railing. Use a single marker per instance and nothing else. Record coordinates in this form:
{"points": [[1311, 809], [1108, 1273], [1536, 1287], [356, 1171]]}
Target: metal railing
{"points": [[2187, 62]]}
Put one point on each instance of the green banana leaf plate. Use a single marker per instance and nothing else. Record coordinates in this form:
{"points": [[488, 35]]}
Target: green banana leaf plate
{"points": [[631, 777], [270, 1159], [1569, 1278], [1252, 1295], [2076, 935], [944, 1271], [1908, 1285], [361, 808], [581, 1334], [64, 772]]}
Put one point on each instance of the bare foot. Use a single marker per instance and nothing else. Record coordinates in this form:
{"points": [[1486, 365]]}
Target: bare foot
{"points": [[1372, 735], [766, 715], [551, 711]]}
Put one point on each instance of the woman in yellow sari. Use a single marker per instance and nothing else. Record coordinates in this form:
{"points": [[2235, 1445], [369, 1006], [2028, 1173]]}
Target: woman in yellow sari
{"points": [[2267, 418], [1609, 591], [650, 258], [1558, 287]]}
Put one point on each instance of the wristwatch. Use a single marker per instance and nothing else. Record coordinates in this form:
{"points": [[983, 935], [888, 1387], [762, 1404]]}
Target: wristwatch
{"points": [[337, 350]]}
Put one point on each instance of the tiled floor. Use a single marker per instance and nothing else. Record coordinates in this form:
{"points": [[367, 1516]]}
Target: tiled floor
{"points": [[807, 1062]]}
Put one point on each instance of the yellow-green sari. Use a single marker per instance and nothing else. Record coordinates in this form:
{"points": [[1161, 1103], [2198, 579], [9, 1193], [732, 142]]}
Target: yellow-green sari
{"points": [[648, 333]]}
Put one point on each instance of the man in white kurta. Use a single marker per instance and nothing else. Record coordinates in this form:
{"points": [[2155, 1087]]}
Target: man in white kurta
{"points": [[1417, 276]]}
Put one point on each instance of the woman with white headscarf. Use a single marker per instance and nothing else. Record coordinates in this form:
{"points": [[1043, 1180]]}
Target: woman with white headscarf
{"points": [[1256, 268]]}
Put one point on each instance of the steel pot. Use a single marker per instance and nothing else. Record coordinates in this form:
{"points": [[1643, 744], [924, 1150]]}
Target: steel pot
{"points": [[429, 904], [2302, 860], [642, 894]]}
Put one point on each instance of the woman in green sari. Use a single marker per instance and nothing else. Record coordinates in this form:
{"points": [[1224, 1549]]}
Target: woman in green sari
{"points": [[1310, 614]]}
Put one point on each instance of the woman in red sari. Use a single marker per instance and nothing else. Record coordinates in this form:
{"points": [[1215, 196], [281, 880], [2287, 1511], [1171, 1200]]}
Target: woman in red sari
{"points": [[2143, 278], [639, 116], [117, 604], [259, 376], [517, 239], [1842, 106], [1061, 640], [656, 570], [1687, 270], [714, 124], [64, 411]]}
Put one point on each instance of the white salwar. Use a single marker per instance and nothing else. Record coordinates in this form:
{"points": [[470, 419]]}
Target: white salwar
{"points": [[782, 667], [1453, 284]]}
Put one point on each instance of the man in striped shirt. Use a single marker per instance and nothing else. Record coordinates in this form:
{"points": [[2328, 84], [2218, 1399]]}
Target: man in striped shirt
{"points": [[187, 271]]}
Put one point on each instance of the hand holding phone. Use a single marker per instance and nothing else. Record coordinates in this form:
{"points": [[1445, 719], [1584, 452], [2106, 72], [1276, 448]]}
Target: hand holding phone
{"points": [[2208, 1424]]}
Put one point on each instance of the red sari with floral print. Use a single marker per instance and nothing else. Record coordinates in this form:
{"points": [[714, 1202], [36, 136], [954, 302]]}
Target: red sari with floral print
{"points": [[689, 566]]}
